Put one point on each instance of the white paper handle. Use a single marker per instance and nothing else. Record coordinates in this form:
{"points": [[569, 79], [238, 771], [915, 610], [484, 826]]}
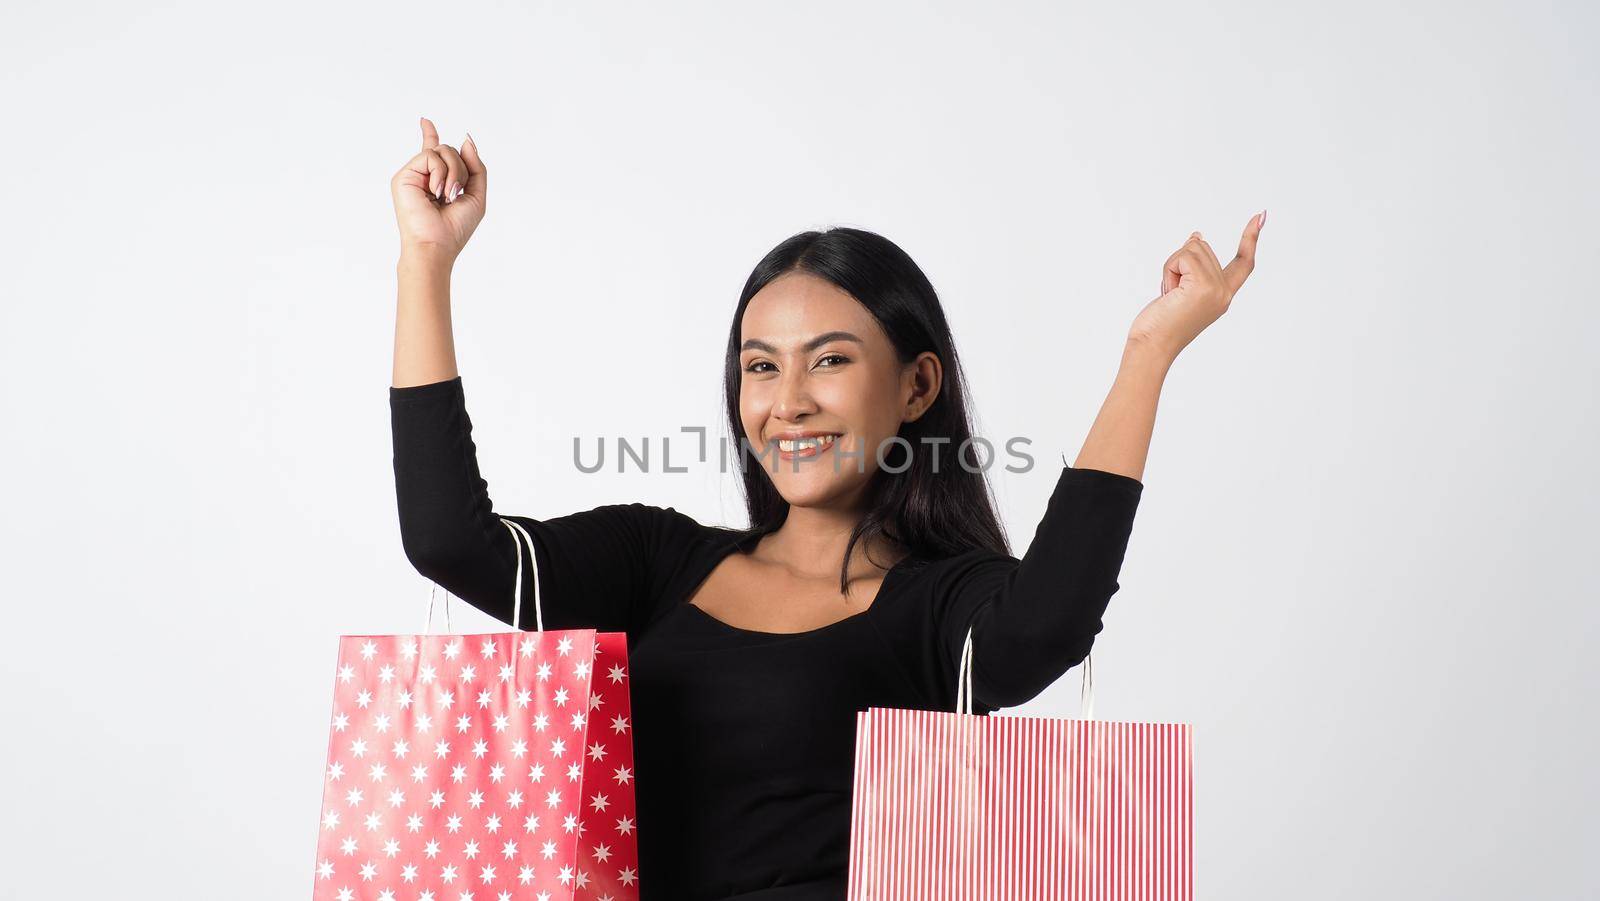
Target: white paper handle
{"points": [[516, 596], [964, 682]]}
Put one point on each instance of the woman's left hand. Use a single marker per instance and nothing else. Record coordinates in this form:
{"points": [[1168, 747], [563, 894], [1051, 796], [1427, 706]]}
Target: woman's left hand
{"points": [[1195, 290]]}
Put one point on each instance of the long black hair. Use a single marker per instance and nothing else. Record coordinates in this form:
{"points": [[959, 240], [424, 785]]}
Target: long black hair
{"points": [[931, 514]]}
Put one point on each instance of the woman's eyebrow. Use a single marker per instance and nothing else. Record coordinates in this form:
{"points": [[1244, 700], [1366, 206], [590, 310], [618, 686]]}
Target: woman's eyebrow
{"points": [[813, 344]]}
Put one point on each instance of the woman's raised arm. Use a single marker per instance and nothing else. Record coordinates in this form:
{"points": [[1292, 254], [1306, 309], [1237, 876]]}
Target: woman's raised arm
{"points": [[1195, 290], [439, 199]]}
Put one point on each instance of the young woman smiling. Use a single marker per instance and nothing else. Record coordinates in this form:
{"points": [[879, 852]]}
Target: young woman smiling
{"points": [[751, 650]]}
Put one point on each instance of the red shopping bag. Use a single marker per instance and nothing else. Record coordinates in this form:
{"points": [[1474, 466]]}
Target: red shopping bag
{"points": [[489, 766], [952, 805]]}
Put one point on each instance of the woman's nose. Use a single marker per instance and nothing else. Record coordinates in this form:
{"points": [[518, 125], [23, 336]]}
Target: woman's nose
{"points": [[794, 397]]}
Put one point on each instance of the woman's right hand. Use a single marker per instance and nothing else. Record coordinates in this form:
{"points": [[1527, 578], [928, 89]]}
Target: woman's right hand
{"points": [[439, 195]]}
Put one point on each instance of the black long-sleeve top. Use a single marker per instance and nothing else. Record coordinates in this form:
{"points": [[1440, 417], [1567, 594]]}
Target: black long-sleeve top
{"points": [[743, 740]]}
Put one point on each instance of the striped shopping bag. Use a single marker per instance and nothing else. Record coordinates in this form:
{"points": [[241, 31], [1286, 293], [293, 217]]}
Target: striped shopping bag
{"points": [[956, 806]]}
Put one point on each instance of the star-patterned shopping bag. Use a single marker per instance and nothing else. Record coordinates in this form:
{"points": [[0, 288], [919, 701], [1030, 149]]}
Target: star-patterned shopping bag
{"points": [[483, 767]]}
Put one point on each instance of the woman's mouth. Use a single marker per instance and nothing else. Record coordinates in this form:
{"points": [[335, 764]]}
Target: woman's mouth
{"points": [[801, 448]]}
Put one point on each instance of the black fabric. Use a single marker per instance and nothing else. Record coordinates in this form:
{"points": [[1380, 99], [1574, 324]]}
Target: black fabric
{"points": [[744, 741]]}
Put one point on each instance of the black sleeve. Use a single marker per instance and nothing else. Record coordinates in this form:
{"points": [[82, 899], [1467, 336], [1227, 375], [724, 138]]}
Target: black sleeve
{"points": [[1034, 619], [602, 568]]}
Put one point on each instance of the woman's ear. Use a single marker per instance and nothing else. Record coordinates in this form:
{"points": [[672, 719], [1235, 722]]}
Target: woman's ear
{"points": [[924, 376]]}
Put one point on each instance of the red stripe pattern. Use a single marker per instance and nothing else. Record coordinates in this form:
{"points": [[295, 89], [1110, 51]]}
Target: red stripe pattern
{"points": [[972, 808]]}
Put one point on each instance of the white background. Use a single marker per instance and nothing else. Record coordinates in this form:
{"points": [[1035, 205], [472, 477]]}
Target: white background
{"points": [[1363, 564]]}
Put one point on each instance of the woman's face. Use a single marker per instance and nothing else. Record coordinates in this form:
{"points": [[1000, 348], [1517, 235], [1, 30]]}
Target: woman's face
{"points": [[813, 362]]}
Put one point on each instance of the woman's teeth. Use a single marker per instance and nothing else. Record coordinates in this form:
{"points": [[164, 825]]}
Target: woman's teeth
{"points": [[818, 444]]}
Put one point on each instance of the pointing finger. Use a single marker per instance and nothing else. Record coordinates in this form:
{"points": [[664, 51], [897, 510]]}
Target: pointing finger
{"points": [[1244, 262], [430, 135]]}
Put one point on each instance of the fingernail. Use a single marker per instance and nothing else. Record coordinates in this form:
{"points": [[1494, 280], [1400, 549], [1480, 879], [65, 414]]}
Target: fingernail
{"points": [[455, 189], [469, 138], [1263, 218]]}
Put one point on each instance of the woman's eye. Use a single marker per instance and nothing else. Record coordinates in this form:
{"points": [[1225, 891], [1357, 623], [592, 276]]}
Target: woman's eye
{"points": [[841, 358], [753, 366]]}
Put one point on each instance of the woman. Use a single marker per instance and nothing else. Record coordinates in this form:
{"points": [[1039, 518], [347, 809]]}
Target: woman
{"points": [[751, 650]]}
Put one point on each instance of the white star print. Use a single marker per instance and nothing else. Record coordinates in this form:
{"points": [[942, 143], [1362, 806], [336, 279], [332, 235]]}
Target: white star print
{"points": [[475, 790]]}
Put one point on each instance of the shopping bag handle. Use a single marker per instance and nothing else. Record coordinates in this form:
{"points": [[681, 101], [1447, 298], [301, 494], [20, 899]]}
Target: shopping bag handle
{"points": [[516, 597], [964, 682]]}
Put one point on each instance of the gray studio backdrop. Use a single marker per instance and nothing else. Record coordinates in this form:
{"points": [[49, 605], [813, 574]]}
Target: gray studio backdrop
{"points": [[1363, 565]]}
